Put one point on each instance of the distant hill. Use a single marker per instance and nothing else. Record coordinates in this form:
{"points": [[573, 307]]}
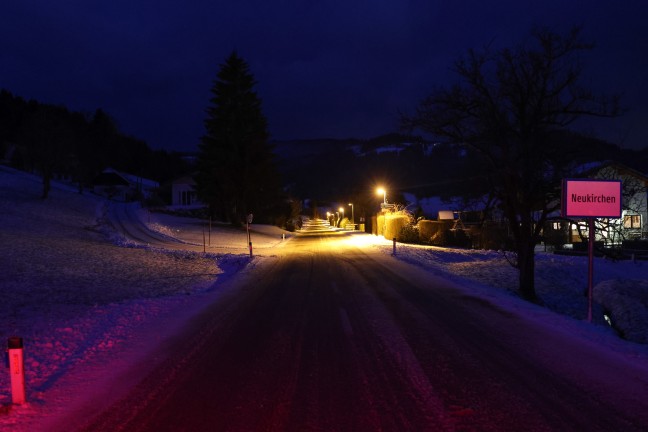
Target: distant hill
{"points": [[350, 169]]}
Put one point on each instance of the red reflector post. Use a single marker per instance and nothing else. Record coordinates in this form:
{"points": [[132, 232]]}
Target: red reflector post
{"points": [[17, 370]]}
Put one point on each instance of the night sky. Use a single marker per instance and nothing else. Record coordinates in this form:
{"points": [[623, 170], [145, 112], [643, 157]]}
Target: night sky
{"points": [[325, 69]]}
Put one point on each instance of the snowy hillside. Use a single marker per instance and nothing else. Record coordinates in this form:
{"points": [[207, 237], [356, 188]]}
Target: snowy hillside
{"points": [[74, 296], [80, 299]]}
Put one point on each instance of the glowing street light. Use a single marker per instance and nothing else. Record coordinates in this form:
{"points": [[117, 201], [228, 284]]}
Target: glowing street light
{"points": [[352, 216], [384, 194], [342, 211]]}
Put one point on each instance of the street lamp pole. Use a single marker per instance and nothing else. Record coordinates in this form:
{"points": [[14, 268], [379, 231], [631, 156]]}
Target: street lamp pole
{"points": [[384, 194], [384, 207], [352, 215]]}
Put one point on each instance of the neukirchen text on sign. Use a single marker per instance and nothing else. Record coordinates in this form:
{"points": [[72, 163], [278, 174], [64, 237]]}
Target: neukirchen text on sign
{"points": [[592, 198]]}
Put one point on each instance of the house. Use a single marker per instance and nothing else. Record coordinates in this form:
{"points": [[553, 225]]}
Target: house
{"points": [[183, 193], [122, 186], [566, 233]]}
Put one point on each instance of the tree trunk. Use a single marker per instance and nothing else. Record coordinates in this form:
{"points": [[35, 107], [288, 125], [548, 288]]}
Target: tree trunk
{"points": [[526, 266], [46, 184]]}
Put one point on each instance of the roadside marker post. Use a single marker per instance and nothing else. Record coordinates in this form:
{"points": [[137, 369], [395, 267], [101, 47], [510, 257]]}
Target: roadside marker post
{"points": [[17, 370], [249, 221], [203, 232]]}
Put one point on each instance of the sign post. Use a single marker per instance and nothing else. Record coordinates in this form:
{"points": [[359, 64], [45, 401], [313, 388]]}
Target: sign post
{"points": [[590, 268], [591, 199]]}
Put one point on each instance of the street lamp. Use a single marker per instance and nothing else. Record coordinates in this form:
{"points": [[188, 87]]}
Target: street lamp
{"points": [[384, 206], [384, 194], [342, 211], [352, 216]]}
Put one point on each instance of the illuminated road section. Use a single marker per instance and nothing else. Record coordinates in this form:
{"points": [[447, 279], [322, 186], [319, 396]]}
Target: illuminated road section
{"points": [[331, 337]]}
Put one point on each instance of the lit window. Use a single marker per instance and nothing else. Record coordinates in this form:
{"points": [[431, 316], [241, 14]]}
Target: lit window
{"points": [[632, 221]]}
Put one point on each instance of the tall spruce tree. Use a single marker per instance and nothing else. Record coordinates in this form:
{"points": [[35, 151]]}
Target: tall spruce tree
{"points": [[236, 169]]}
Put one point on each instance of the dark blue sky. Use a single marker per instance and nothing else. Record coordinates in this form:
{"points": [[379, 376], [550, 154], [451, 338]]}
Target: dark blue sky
{"points": [[337, 68]]}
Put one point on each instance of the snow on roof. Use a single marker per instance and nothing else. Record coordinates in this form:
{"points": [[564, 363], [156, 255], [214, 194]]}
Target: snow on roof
{"points": [[134, 179]]}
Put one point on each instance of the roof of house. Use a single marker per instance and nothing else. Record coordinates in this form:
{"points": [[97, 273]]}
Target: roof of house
{"points": [[594, 167], [111, 176], [188, 179], [110, 179]]}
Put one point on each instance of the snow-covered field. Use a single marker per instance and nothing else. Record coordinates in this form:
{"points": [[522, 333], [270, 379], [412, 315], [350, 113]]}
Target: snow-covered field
{"points": [[81, 300]]}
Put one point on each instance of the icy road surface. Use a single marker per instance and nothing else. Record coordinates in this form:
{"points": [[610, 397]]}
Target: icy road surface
{"points": [[331, 337]]}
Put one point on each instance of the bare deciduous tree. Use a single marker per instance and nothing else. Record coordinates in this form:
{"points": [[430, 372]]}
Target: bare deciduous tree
{"points": [[510, 105]]}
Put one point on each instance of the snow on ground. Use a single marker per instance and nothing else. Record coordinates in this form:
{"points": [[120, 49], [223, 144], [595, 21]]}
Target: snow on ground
{"points": [[620, 287], [218, 237], [74, 297], [82, 302]]}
